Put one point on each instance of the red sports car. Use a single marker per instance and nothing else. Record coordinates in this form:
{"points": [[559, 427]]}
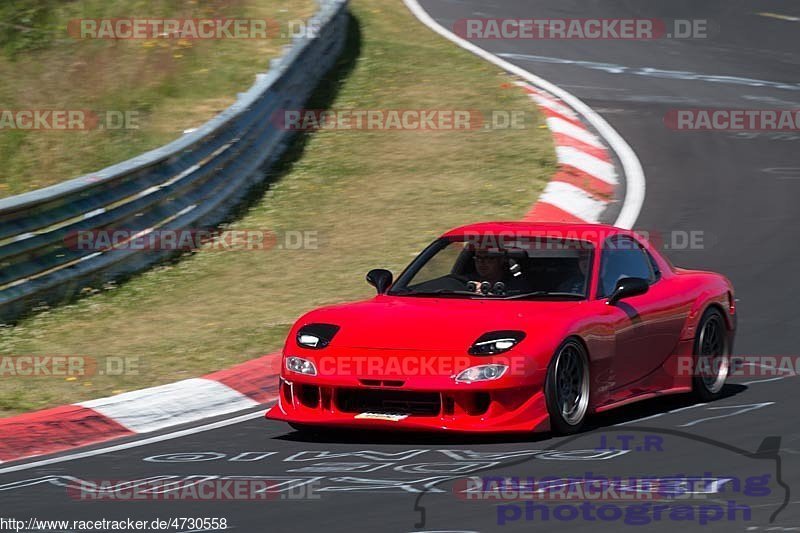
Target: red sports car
{"points": [[511, 326]]}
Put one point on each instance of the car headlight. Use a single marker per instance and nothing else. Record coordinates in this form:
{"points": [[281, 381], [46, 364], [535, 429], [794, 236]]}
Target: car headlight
{"points": [[316, 336], [301, 366], [496, 342], [481, 373]]}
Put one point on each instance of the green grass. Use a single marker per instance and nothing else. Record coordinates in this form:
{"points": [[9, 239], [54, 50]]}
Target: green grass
{"points": [[374, 197], [171, 84]]}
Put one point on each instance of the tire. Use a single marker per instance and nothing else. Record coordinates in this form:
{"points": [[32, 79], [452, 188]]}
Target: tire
{"points": [[712, 356], [567, 387]]}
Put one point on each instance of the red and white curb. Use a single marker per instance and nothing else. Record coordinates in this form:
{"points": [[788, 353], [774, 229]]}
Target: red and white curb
{"points": [[574, 142], [586, 181], [241, 387]]}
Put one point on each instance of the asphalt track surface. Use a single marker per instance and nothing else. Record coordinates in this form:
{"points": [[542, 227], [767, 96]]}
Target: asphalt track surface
{"points": [[740, 190]]}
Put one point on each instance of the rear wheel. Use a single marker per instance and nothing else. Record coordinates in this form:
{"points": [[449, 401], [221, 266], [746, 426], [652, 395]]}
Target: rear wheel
{"points": [[712, 357], [567, 387]]}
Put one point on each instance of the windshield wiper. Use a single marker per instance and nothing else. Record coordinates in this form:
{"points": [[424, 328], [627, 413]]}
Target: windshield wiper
{"points": [[536, 294]]}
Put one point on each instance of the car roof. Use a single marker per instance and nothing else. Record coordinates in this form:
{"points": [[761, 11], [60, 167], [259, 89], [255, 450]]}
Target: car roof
{"points": [[594, 233]]}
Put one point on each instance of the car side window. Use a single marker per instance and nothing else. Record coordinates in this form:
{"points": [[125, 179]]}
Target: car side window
{"points": [[622, 257]]}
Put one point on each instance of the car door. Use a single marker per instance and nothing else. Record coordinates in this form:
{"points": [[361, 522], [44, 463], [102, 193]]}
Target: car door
{"points": [[646, 327]]}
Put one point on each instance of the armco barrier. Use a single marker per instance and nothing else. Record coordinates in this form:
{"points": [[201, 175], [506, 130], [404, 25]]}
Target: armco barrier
{"points": [[190, 183]]}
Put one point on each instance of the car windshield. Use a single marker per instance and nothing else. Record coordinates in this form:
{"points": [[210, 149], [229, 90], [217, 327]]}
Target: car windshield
{"points": [[542, 268]]}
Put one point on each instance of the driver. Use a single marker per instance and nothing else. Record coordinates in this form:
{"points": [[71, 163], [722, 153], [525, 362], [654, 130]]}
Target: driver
{"points": [[493, 267], [490, 266]]}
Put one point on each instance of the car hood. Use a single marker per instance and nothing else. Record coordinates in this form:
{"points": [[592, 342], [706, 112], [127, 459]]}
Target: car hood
{"points": [[423, 323]]}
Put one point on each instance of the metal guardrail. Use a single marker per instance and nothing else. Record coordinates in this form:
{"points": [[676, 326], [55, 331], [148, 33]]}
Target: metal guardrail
{"points": [[190, 183]]}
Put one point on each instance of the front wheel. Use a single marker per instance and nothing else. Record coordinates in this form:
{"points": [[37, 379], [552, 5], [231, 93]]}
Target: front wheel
{"points": [[711, 356], [567, 387]]}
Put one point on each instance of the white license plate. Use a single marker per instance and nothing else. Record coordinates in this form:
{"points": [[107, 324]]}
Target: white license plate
{"points": [[381, 416]]}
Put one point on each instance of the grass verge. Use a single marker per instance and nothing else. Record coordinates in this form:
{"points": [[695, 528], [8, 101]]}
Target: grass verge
{"points": [[375, 198], [164, 85]]}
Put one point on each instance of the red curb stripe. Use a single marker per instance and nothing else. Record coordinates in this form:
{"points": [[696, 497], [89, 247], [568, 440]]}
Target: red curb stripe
{"points": [[549, 113], [562, 139], [595, 187], [55, 430], [551, 100], [72, 426], [544, 212], [257, 379]]}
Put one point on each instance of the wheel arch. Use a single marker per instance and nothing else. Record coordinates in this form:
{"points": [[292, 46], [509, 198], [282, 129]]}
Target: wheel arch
{"points": [[581, 341], [702, 304], [718, 307]]}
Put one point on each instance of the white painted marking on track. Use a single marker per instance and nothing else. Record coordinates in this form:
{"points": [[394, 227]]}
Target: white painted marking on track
{"points": [[657, 73], [779, 16], [743, 409], [588, 163], [764, 380], [789, 373], [657, 415], [635, 180], [135, 444], [573, 200], [169, 405]]}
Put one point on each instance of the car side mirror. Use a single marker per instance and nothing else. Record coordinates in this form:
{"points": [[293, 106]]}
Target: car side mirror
{"points": [[379, 278], [627, 287]]}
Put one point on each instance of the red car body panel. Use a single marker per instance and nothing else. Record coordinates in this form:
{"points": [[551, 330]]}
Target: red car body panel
{"points": [[633, 347]]}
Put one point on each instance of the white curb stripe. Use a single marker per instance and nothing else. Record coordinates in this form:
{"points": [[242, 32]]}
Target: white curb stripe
{"points": [[156, 408], [634, 175], [573, 200], [588, 163], [559, 125]]}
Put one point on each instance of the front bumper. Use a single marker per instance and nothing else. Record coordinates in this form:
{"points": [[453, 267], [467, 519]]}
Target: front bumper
{"points": [[473, 408]]}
